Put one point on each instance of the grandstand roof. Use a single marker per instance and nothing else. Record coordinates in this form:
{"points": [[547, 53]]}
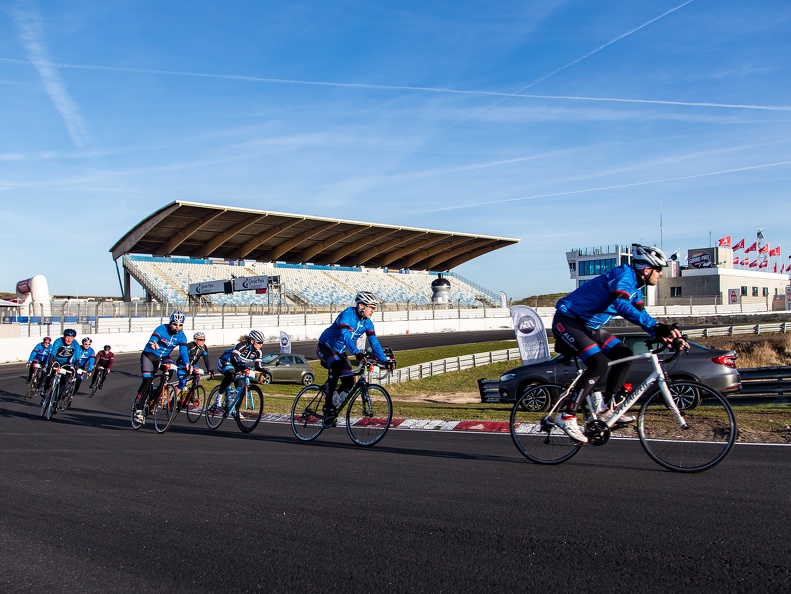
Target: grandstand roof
{"points": [[209, 231]]}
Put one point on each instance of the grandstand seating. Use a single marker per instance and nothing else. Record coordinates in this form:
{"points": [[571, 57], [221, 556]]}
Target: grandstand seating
{"points": [[168, 279]]}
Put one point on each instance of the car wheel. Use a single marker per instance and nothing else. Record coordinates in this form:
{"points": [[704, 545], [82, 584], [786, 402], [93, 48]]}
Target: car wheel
{"points": [[539, 401], [307, 379], [266, 378], [687, 396]]}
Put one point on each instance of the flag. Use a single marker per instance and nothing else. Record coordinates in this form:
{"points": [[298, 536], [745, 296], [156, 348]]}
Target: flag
{"points": [[745, 262], [764, 264], [764, 249], [754, 264], [531, 338], [775, 268], [736, 261], [725, 241], [775, 251], [739, 245], [752, 248]]}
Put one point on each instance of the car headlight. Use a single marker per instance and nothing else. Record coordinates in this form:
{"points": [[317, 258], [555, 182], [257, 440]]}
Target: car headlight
{"points": [[507, 377]]}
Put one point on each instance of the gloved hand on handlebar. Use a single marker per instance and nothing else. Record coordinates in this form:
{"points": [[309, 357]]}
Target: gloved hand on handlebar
{"points": [[391, 364], [361, 358], [670, 334]]}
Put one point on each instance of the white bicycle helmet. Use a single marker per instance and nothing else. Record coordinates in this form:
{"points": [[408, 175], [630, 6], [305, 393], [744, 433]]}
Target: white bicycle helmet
{"points": [[177, 317], [256, 336], [198, 335], [644, 256], [367, 298]]}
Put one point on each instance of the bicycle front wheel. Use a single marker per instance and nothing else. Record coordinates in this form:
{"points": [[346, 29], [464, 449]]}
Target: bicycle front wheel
{"points": [[368, 415], [710, 434], [535, 434], [33, 386], [196, 400], [215, 408], [165, 408], [250, 408], [96, 380], [307, 421], [54, 397]]}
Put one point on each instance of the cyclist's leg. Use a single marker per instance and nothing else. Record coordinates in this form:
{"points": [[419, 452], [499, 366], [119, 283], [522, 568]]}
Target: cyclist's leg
{"points": [[147, 370], [339, 369]]}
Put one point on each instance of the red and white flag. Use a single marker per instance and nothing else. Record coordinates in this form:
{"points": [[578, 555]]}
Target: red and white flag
{"points": [[736, 261], [764, 264], [725, 241], [775, 268], [754, 264], [745, 262], [739, 245], [752, 248], [764, 249], [775, 251]]}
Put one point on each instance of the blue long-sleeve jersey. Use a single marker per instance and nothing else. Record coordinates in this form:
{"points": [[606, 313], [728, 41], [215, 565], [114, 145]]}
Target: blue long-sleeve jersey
{"points": [[167, 340], [342, 335], [85, 358], [63, 353], [614, 293], [40, 353]]}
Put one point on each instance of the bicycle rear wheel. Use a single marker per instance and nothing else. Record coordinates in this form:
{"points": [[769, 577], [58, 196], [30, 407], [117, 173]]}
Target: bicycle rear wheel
{"points": [[250, 408], [368, 415], [164, 408], [215, 408], [710, 434], [307, 420], [196, 400], [535, 435]]}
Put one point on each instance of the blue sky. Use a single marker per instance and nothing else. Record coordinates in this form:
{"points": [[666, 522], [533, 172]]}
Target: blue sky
{"points": [[562, 123]]}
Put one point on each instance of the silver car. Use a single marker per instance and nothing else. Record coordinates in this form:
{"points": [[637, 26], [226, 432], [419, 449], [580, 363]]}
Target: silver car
{"points": [[713, 368]]}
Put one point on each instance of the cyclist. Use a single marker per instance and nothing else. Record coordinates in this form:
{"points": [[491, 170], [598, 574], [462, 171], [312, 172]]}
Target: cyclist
{"points": [[104, 359], [39, 353], [245, 355], [63, 352], [84, 359], [577, 328], [352, 323], [196, 350], [162, 342]]}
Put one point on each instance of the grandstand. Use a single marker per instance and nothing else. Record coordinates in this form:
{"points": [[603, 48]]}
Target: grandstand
{"points": [[168, 280], [319, 262]]}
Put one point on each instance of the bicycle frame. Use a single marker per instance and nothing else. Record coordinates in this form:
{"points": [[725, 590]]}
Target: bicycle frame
{"points": [[359, 385]]}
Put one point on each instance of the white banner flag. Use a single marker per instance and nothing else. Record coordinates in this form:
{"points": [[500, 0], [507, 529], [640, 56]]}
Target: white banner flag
{"points": [[503, 299], [530, 335], [285, 342]]}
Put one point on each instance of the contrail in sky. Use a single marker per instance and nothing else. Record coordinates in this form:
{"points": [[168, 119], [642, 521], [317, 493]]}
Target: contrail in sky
{"points": [[32, 38], [604, 188]]}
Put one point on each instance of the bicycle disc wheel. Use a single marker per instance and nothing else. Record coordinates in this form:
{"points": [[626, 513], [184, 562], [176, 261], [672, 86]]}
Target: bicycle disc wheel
{"points": [[710, 434], [249, 409], [164, 408], [306, 416], [214, 408], [535, 434], [196, 400], [368, 415]]}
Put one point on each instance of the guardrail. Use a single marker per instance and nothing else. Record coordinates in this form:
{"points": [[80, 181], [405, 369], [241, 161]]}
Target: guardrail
{"points": [[423, 370], [765, 380]]}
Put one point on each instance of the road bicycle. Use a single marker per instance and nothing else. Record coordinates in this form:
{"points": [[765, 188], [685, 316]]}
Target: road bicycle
{"points": [[58, 393], [195, 398], [369, 409], [97, 382], [37, 379], [244, 403], [677, 436], [160, 400]]}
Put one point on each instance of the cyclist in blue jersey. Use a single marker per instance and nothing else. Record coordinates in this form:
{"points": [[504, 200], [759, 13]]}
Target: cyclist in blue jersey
{"points": [[245, 355], [84, 359], [340, 338], [39, 353], [577, 328], [162, 342], [63, 352]]}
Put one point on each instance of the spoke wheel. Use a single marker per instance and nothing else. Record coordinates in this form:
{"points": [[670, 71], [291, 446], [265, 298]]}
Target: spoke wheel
{"points": [[368, 415], [710, 434], [306, 417], [45, 400], [250, 409], [135, 424], [535, 434], [214, 408], [196, 400], [52, 400], [97, 380], [34, 385], [165, 408]]}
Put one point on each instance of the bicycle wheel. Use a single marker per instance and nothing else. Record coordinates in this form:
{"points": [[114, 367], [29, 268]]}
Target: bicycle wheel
{"points": [[33, 386], [164, 408], [306, 418], [215, 411], [54, 398], [97, 379], [135, 424], [710, 434], [535, 434], [196, 400], [249, 409], [45, 400], [368, 415]]}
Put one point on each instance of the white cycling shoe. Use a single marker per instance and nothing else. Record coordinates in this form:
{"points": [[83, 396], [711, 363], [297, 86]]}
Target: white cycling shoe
{"points": [[568, 424], [606, 415]]}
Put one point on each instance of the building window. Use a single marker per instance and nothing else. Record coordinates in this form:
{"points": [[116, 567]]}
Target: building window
{"points": [[596, 267], [572, 266], [744, 291], [755, 291], [766, 291], [675, 291]]}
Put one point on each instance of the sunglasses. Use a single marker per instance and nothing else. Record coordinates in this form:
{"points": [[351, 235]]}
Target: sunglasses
{"points": [[176, 324]]}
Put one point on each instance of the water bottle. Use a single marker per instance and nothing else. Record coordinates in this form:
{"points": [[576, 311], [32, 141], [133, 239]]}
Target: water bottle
{"points": [[598, 401], [338, 398]]}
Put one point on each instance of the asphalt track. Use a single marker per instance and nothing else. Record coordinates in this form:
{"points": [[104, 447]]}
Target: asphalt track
{"points": [[91, 506]]}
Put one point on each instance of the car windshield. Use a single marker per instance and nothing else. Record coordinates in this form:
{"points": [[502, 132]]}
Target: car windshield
{"points": [[269, 358]]}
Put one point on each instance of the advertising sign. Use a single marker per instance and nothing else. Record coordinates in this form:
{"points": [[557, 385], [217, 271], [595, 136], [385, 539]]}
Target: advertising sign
{"points": [[207, 288], [285, 342], [700, 259], [530, 334], [250, 283], [788, 298], [734, 296]]}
